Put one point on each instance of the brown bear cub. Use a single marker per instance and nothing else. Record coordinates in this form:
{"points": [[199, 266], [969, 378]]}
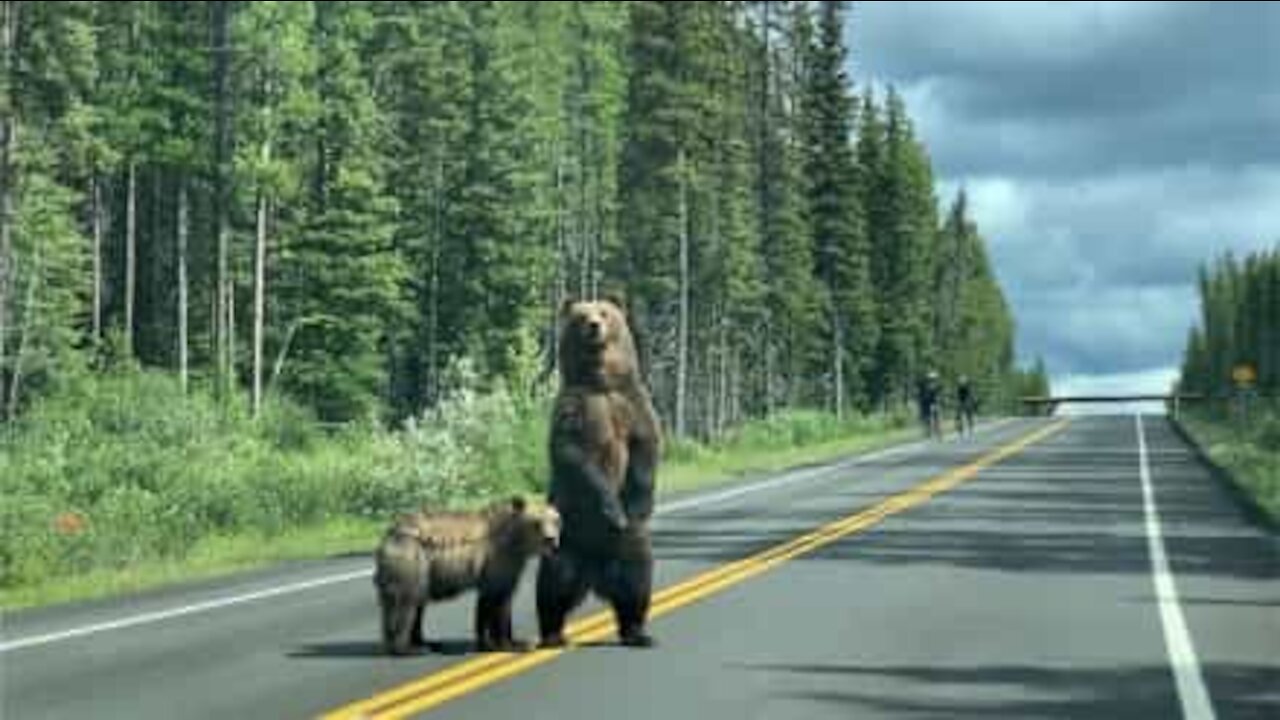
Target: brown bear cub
{"points": [[430, 557], [605, 442]]}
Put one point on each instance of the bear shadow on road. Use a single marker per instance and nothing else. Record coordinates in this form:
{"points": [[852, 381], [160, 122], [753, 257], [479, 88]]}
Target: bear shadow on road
{"points": [[372, 649]]}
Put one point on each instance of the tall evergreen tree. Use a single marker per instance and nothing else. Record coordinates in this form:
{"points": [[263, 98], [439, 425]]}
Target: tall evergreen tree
{"points": [[48, 52], [792, 295], [728, 297], [184, 159], [424, 85], [367, 192], [495, 215], [275, 74], [652, 260], [8, 171], [836, 215], [900, 193], [341, 278]]}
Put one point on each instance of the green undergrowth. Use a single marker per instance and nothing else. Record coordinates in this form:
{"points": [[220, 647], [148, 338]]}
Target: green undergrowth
{"points": [[1249, 452], [124, 483]]}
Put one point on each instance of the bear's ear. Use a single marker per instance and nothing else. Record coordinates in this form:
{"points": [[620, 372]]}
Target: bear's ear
{"points": [[518, 504], [566, 307], [616, 298]]}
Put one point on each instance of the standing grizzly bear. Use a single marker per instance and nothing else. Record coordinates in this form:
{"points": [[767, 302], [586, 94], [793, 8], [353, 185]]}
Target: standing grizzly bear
{"points": [[430, 557], [605, 442]]}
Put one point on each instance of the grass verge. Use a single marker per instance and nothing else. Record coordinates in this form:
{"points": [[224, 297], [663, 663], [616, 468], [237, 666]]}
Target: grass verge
{"points": [[1251, 458], [759, 447]]}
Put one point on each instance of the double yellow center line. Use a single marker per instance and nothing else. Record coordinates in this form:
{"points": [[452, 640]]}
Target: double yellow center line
{"points": [[433, 690]]}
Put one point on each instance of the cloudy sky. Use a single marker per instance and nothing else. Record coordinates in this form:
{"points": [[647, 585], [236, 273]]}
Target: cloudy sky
{"points": [[1107, 149]]}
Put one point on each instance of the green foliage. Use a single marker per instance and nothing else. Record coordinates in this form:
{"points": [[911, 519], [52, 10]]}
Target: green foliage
{"points": [[903, 216], [151, 472], [836, 216], [338, 262], [1239, 325], [433, 179], [1250, 453], [48, 281], [973, 326]]}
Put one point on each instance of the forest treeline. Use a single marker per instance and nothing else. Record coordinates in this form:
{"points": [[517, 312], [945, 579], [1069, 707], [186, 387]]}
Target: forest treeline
{"points": [[336, 202], [1237, 423], [1239, 325]]}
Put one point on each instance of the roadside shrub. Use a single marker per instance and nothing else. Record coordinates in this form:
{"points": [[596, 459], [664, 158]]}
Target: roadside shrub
{"points": [[124, 468]]}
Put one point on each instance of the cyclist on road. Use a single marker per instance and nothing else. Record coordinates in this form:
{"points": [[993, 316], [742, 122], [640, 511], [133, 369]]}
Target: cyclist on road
{"points": [[966, 406], [930, 412]]}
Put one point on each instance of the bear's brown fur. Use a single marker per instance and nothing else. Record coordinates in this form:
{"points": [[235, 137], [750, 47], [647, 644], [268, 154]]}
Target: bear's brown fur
{"points": [[429, 557], [605, 443]]}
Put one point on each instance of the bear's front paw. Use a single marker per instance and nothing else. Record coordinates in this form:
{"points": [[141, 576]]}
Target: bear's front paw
{"points": [[553, 641]]}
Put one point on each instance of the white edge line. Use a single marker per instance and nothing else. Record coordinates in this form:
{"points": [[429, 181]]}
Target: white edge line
{"points": [[1192, 693], [180, 611], [698, 501]]}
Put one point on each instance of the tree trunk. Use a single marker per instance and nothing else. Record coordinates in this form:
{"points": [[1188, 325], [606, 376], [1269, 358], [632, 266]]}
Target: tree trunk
{"points": [[8, 17], [597, 236], [259, 298], [260, 285], [433, 298], [561, 288], [769, 360], [586, 214], [28, 319], [183, 357], [837, 358], [682, 340], [222, 158], [96, 222], [722, 410], [130, 254], [231, 334]]}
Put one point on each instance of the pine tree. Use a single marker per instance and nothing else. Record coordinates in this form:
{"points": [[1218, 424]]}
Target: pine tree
{"points": [[48, 53], [729, 297], [585, 174], [654, 186], [221, 50], [904, 220], [275, 73], [341, 278], [495, 215], [133, 124], [424, 86], [1238, 324], [792, 296], [8, 127], [183, 157], [836, 216]]}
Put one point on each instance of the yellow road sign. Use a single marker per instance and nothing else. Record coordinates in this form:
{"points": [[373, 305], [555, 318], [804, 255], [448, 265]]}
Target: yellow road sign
{"points": [[1244, 374]]}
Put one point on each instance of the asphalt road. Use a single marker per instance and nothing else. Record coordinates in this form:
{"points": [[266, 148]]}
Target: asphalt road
{"points": [[1044, 584]]}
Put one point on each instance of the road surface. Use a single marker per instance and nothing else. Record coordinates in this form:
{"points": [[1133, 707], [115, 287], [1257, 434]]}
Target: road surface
{"points": [[1090, 569]]}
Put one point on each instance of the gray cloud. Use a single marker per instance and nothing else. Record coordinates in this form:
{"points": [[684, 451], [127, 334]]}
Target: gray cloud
{"points": [[1107, 148]]}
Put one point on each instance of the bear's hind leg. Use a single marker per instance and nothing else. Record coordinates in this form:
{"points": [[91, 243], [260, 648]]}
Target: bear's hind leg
{"points": [[398, 614], [419, 638], [627, 585], [561, 588], [493, 624], [485, 637]]}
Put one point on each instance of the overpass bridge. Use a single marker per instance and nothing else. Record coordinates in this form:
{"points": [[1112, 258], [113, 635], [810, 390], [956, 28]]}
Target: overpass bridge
{"points": [[1047, 404]]}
